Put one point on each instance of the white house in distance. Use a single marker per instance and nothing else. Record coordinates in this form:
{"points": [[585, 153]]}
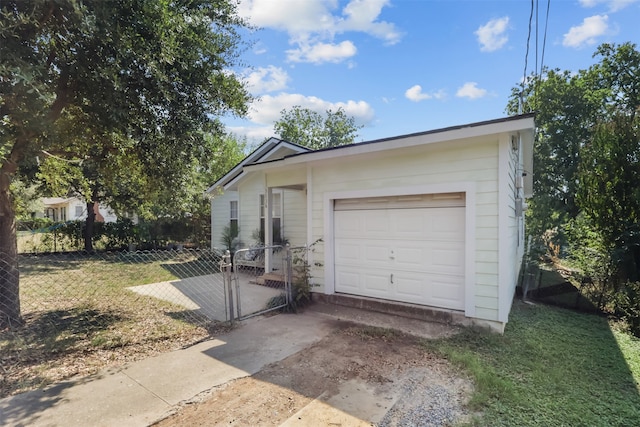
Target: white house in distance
{"points": [[427, 220], [73, 209]]}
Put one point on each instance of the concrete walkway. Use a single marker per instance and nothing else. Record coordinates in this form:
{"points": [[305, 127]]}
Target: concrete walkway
{"points": [[146, 391]]}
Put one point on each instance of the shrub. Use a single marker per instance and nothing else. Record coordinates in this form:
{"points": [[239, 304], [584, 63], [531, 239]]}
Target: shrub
{"points": [[627, 306]]}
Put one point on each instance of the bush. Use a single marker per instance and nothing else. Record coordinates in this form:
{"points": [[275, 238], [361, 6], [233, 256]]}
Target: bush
{"points": [[34, 224], [627, 306]]}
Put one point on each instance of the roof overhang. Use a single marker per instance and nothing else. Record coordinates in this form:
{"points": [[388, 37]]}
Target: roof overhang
{"points": [[523, 124], [268, 151]]}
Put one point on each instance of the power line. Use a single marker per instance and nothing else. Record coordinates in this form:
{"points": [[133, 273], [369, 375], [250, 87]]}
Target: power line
{"points": [[526, 60], [544, 40]]}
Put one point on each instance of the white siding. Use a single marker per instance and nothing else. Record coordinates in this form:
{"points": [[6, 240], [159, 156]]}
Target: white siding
{"points": [[294, 216], [511, 225], [249, 206], [443, 163], [220, 216]]}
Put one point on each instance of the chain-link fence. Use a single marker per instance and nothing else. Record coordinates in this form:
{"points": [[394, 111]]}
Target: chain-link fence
{"points": [[82, 311], [106, 305]]}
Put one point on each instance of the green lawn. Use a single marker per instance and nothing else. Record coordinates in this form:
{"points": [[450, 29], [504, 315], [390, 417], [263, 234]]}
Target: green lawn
{"points": [[552, 367], [80, 315]]}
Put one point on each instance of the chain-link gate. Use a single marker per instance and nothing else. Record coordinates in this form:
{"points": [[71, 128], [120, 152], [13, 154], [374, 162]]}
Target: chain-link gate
{"points": [[261, 280]]}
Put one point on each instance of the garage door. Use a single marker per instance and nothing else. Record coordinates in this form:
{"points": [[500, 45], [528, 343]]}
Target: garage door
{"points": [[403, 248]]}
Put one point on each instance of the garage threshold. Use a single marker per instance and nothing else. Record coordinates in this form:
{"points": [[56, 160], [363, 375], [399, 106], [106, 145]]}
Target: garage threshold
{"points": [[415, 316]]}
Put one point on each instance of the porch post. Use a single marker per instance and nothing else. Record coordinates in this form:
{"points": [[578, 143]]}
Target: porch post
{"points": [[268, 229]]}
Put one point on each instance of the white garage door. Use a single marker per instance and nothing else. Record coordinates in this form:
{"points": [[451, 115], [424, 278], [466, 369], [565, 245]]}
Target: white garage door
{"points": [[404, 248]]}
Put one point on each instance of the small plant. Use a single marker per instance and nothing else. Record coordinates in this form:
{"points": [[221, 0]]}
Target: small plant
{"points": [[302, 283], [229, 237]]}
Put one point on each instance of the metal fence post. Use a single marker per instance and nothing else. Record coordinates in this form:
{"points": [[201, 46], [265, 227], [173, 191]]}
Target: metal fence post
{"points": [[226, 264], [289, 274]]}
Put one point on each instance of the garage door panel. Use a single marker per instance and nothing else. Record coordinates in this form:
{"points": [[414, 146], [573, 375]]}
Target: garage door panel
{"points": [[349, 281], [448, 256], [376, 283], [360, 252], [447, 292], [349, 253], [409, 289], [413, 255]]}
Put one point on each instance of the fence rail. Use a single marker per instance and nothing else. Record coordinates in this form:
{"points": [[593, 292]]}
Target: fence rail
{"points": [[105, 305]]}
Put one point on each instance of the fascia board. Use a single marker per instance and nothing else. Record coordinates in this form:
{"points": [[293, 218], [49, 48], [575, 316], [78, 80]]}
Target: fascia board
{"points": [[235, 174], [400, 142]]}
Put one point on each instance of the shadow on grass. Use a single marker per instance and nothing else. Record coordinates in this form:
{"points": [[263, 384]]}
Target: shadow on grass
{"points": [[552, 288], [552, 367], [47, 337]]}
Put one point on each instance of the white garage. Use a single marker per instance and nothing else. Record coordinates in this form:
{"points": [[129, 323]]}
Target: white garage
{"points": [[431, 221], [402, 248]]}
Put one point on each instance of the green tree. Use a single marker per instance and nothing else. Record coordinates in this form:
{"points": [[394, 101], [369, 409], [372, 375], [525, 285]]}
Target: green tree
{"points": [[145, 78], [587, 168], [569, 107], [609, 192], [565, 115], [314, 130]]}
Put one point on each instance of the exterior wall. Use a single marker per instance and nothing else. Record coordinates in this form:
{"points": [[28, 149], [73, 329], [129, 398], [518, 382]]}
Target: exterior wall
{"points": [[511, 222], [294, 217], [220, 216], [249, 207], [442, 164]]}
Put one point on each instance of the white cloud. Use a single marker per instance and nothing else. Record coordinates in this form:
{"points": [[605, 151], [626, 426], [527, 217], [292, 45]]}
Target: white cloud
{"points": [[322, 52], [255, 134], [614, 5], [586, 34], [313, 24], [471, 90], [266, 79], [492, 35], [415, 94], [362, 15], [267, 109]]}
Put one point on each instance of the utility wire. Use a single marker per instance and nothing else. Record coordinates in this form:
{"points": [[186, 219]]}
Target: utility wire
{"points": [[526, 59], [544, 40], [537, 37]]}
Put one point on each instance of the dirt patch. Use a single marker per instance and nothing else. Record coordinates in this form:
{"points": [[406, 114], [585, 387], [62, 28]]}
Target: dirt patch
{"points": [[356, 376]]}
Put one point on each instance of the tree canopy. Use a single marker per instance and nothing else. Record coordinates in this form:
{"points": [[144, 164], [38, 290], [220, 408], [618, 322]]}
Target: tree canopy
{"points": [[126, 90], [569, 108], [587, 166], [315, 130]]}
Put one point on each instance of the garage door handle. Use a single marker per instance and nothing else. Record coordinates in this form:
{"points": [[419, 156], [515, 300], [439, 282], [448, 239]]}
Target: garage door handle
{"points": [[392, 278]]}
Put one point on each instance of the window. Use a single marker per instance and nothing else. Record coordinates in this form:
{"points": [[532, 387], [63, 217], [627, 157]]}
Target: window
{"points": [[233, 215], [276, 215], [63, 213], [79, 210]]}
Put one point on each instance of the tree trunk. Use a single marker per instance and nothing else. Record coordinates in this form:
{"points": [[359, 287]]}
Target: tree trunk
{"points": [[9, 274], [88, 229]]}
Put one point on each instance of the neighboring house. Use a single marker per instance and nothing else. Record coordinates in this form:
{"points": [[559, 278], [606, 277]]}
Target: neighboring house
{"points": [[73, 209], [433, 218]]}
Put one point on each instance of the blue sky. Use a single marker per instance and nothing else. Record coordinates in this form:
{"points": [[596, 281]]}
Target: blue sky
{"points": [[404, 66]]}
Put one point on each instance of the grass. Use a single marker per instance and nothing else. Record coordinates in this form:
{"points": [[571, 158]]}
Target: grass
{"points": [[80, 316], [552, 367]]}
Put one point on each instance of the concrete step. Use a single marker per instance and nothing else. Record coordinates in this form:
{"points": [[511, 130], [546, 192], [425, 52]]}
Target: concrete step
{"points": [[411, 311]]}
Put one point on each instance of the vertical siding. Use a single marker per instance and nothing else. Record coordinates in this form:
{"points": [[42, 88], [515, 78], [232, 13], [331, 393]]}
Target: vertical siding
{"points": [[444, 163]]}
